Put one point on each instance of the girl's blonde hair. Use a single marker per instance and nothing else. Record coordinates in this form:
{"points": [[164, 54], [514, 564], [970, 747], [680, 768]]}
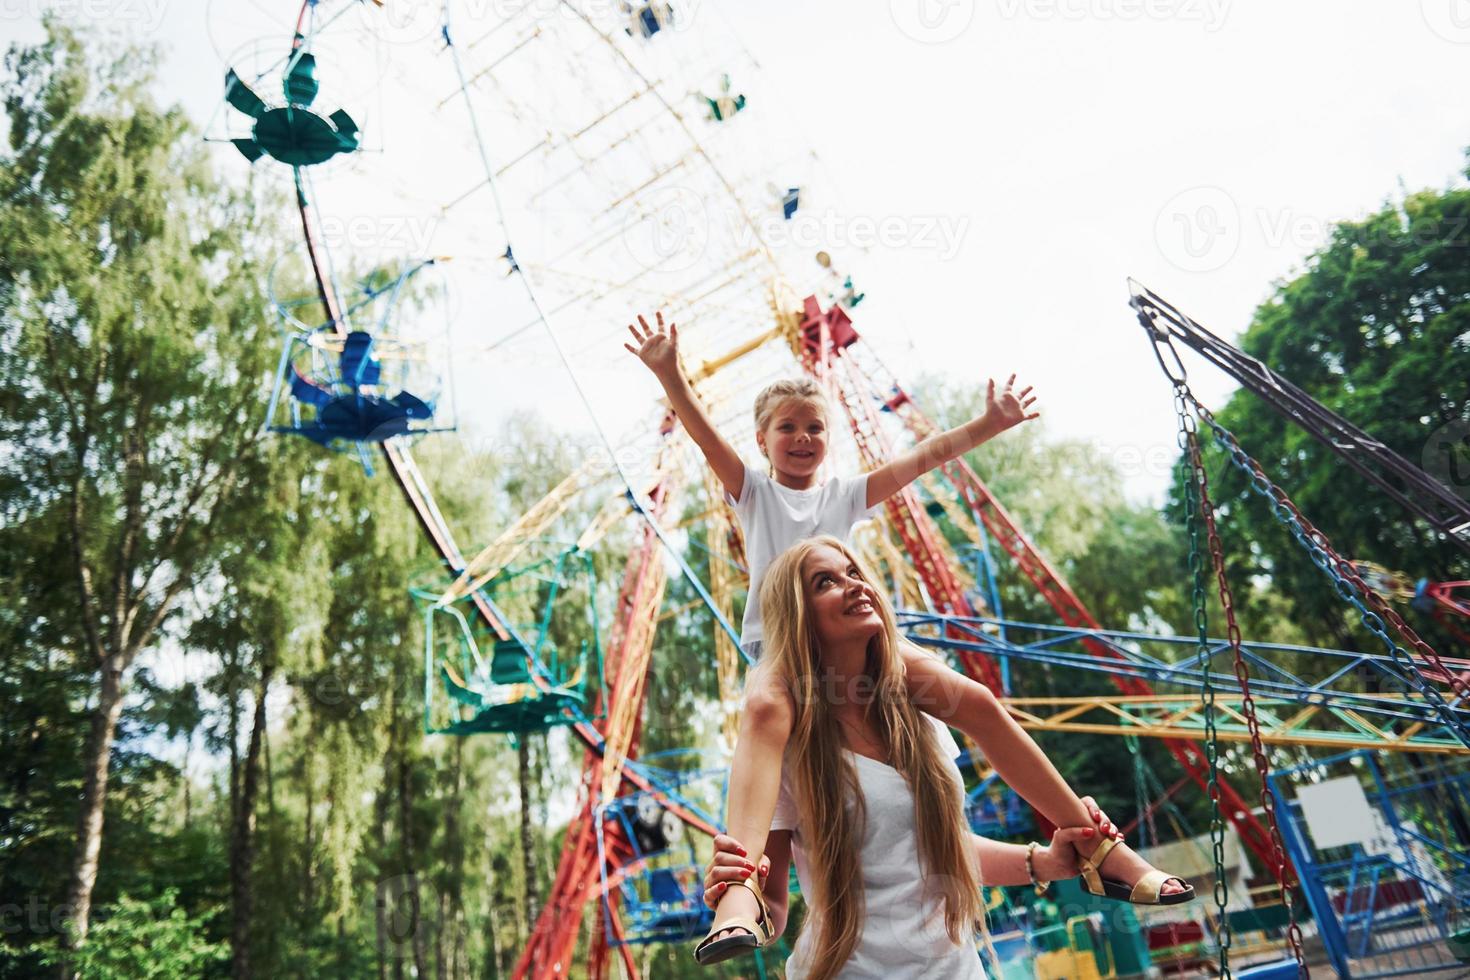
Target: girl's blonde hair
{"points": [[824, 779], [773, 395]]}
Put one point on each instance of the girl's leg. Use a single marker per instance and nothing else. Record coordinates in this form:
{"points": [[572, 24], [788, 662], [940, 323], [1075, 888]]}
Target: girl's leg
{"points": [[971, 707], [755, 783]]}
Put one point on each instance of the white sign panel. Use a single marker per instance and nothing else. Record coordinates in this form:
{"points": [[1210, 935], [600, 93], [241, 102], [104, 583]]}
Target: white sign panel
{"points": [[1337, 812]]}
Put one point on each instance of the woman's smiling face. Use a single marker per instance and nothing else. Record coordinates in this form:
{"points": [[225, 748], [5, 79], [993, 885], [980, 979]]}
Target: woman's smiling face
{"points": [[795, 439], [841, 603]]}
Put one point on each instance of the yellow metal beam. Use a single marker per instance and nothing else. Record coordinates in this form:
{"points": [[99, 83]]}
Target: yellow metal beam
{"points": [[1182, 716]]}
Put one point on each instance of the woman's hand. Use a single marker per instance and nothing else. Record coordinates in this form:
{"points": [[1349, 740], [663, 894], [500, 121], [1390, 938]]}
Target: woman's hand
{"points": [[1058, 860], [659, 351], [729, 865], [1009, 408]]}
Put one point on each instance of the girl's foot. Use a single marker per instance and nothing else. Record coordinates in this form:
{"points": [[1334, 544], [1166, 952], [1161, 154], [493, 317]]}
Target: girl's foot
{"points": [[742, 925], [735, 903], [1122, 863], [1128, 866]]}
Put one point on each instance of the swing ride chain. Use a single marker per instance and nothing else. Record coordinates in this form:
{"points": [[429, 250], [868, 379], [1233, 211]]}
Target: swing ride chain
{"points": [[1187, 438], [1146, 825], [1248, 704], [1348, 582]]}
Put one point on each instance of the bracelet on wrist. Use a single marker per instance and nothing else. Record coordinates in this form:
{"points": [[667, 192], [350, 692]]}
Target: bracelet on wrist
{"points": [[1036, 883]]}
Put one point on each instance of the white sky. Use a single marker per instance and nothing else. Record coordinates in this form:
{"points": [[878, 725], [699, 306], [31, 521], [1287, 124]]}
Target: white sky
{"points": [[1075, 142]]}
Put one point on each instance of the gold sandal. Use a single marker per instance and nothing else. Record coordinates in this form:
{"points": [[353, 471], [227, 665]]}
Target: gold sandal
{"points": [[1147, 890], [757, 933]]}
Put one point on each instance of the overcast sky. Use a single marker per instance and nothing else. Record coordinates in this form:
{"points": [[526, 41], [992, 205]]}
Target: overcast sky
{"points": [[1039, 152]]}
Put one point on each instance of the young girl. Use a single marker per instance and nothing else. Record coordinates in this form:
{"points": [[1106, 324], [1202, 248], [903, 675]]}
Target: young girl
{"points": [[792, 504]]}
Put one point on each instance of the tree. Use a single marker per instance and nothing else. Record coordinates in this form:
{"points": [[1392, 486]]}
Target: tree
{"points": [[1377, 328], [145, 939], [135, 344]]}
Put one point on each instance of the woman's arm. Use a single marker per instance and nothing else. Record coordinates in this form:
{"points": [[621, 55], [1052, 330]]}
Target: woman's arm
{"points": [[659, 351], [777, 887], [1000, 414], [1005, 864]]}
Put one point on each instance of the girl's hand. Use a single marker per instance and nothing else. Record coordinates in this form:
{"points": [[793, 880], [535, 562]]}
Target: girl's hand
{"points": [[728, 865], [656, 349], [1058, 860], [1009, 409]]}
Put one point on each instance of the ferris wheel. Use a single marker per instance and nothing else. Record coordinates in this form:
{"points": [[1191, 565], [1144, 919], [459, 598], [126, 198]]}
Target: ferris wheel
{"points": [[487, 194]]}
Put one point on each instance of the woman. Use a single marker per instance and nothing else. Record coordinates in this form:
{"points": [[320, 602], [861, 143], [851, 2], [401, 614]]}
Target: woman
{"points": [[871, 805]]}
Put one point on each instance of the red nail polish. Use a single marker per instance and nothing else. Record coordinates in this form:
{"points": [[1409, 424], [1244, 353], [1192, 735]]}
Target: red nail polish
{"points": [[1089, 832], [740, 851]]}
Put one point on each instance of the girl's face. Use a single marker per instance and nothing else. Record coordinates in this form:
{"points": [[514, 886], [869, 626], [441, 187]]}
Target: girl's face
{"points": [[842, 605], [795, 439]]}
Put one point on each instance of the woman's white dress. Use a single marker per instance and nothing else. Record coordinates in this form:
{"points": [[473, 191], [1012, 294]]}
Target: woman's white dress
{"points": [[903, 931]]}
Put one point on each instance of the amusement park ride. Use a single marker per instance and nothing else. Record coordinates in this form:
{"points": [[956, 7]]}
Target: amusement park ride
{"points": [[624, 144]]}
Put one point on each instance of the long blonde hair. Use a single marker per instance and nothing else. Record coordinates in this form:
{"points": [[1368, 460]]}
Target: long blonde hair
{"points": [[824, 779]]}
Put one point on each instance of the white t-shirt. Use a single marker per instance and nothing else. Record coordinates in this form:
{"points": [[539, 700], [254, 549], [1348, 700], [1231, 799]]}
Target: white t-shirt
{"points": [[903, 933], [774, 518]]}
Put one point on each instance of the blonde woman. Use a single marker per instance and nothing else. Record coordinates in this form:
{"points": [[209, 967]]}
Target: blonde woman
{"points": [[871, 805]]}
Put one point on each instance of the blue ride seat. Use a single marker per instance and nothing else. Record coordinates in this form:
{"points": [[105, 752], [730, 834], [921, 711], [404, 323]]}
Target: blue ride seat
{"points": [[664, 887], [303, 389], [357, 364], [344, 411], [670, 912]]}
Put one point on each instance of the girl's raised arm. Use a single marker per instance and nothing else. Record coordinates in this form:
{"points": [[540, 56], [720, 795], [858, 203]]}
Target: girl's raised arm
{"points": [[659, 351], [1002, 412]]}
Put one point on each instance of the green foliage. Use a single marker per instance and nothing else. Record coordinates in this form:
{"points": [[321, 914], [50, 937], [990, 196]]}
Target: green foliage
{"points": [[145, 940], [1377, 328]]}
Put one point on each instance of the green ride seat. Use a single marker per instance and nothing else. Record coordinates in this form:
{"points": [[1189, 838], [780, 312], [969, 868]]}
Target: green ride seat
{"points": [[510, 662]]}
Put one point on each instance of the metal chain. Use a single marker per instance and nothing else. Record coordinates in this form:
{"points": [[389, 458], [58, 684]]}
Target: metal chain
{"points": [[1248, 705], [1188, 437], [1349, 584], [1147, 829]]}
